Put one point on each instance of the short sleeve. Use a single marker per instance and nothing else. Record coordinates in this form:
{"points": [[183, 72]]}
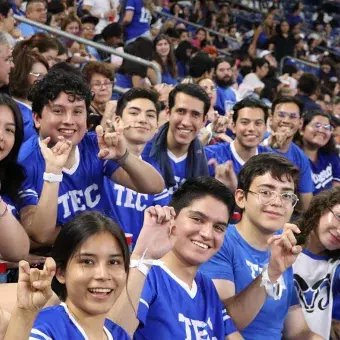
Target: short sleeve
{"points": [[336, 168], [294, 299], [220, 266], [130, 5], [229, 326], [109, 167], [28, 193], [306, 184], [147, 297], [216, 151], [162, 198], [336, 282]]}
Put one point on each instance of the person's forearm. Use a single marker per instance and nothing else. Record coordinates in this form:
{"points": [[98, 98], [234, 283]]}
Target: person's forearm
{"points": [[244, 307], [125, 308], [14, 241], [20, 324], [145, 178]]}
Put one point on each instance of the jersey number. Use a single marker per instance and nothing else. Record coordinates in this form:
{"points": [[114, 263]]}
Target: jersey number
{"points": [[145, 15]]}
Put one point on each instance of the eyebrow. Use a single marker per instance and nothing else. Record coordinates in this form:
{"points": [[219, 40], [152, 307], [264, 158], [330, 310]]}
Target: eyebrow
{"points": [[11, 124], [138, 109], [94, 255], [207, 217], [270, 186]]}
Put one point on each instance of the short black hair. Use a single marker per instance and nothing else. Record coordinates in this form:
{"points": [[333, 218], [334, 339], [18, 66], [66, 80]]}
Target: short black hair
{"points": [[192, 90], [5, 6], [199, 187], [136, 93], [288, 99], [112, 30], [77, 231], [258, 62], [290, 69], [258, 165], [308, 84], [55, 82], [251, 103], [221, 60], [200, 64]]}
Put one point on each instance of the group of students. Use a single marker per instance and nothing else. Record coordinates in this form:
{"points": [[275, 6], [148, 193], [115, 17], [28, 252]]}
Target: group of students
{"points": [[191, 274]]}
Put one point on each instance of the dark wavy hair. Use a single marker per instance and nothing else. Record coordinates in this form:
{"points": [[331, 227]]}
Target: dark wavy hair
{"points": [[307, 117], [75, 233], [11, 173], [309, 221], [57, 81], [170, 64]]}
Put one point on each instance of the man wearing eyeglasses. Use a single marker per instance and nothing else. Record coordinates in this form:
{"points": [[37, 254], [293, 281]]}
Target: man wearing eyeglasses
{"points": [[252, 271], [285, 120]]}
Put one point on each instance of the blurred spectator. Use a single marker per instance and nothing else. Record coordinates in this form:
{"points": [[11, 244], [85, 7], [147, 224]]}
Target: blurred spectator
{"points": [[324, 99], [220, 41], [105, 11], [294, 17], [164, 58], [88, 28], [327, 72], [56, 10], [308, 87], [200, 66], [201, 39], [336, 107], [300, 50], [183, 34], [36, 11], [294, 75], [336, 132], [7, 22], [183, 54], [6, 60], [29, 68]]}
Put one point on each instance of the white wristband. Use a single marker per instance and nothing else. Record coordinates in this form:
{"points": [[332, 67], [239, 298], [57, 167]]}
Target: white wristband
{"points": [[52, 177], [273, 290], [141, 264]]}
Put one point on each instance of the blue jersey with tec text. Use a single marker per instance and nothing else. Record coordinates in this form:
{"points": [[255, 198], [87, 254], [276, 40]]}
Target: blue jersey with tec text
{"points": [[82, 187], [58, 324], [169, 309], [240, 263], [223, 152], [325, 171], [141, 19], [27, 117], [300, 160], [128, 206]]}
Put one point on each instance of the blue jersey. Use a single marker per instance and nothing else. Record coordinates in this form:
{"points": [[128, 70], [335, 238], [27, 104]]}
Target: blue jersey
{"points": [[128, 206], [28, 30], [167, 78], [56, 323], [11, 206], [140, 22], [300, 160], [325, 171], [82, 187], [225, 100], [240, 263], [223, 152], [27, 117], [179, 170], [169, 309]]}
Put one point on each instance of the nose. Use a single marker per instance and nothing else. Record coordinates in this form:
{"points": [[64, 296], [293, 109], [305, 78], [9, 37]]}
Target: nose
{"points": [[206, 231], [186, 120], [101, 272], [68, 118], [277, 201], [251, 126]]}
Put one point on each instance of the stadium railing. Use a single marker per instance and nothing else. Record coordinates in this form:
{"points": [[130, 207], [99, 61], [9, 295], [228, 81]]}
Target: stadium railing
{"points": [[95, 45], [301, 64]]}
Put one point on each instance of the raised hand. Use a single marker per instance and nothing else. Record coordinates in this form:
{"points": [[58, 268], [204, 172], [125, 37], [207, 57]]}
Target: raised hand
{"points": [[34, 285], [55, 157], [278, 138], [225, 173], [284, 251], [155, 234], [220, 124], [111, 142]]}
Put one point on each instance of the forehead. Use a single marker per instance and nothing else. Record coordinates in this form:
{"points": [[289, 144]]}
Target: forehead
{"points": [[250, 113], [6, 114], [162, 41], [98, 76], [5, 51], [290, 107], [142, 104], [36, 5], [321, 119], [223, 65], [189, 102], [268, 179], [39, 66], [67, 101], [205, 82]]}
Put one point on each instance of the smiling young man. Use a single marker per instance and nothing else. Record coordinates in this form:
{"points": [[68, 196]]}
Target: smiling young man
{"points": [[60, 184], [176, 147], [249, 125], [137, 111], [252, 271], [172, 299]]}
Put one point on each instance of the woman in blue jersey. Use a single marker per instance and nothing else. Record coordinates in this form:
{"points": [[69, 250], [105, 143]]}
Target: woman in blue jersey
{"points": [[14, 242], [92, 263], [317, 268], [164, 58], [30, 67], [316, 140], [172, 299]]}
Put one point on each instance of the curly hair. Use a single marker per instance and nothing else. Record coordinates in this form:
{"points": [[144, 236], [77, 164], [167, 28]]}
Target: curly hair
{"points": [[309, 221], [96, 67], [55, 82]]}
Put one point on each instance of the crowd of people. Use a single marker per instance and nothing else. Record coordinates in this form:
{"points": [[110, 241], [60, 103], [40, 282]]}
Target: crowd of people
{"points": [[202, 205]]}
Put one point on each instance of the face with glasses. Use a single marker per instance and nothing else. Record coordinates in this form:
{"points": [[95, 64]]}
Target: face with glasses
{"points": [[210, 88], [101, 86], [318, 132], [268, 203], [6, 64], [88, 30], [38, 72], [286, 118], [328, 231]]}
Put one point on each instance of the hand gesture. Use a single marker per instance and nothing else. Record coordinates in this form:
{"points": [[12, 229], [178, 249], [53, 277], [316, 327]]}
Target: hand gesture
{"points": [[220, 124], [111, 142], [225, 173], [34, 285], [278, 138], [57, 156], [284, 251], [155, 234]]}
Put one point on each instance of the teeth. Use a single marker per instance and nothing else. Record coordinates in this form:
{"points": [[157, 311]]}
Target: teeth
{"points": [[100, 290], [68, 132], [185, 131], [199, 244]]}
